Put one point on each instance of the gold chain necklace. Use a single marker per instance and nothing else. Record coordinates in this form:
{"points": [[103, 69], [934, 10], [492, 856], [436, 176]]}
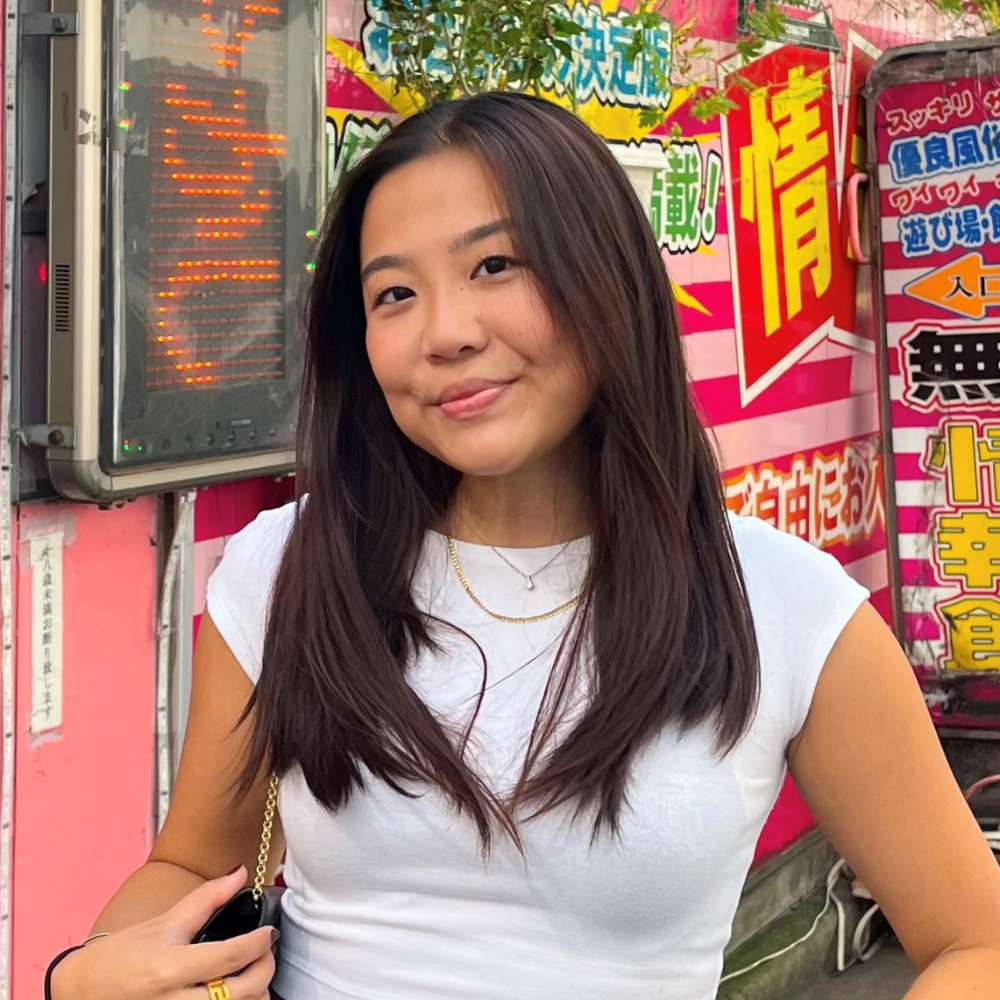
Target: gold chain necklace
{"points": [[460, 573]]}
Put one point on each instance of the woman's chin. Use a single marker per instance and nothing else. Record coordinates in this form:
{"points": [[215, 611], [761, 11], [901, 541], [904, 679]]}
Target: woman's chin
{"points": [[483, 462]]}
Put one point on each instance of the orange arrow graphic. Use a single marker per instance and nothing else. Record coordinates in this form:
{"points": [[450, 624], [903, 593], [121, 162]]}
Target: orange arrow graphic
{"points": [[966, 286]]}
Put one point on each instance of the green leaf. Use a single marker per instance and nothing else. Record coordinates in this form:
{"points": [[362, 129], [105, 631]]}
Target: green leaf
{"points": [[563, 47], [650, 118], [563, 26]]}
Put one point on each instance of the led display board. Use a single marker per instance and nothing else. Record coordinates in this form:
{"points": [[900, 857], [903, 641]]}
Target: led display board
{"points": [[178, 287]]}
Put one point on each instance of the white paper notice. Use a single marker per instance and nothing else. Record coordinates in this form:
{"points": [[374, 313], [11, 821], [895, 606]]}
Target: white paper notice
{"points": [[46, 631]]}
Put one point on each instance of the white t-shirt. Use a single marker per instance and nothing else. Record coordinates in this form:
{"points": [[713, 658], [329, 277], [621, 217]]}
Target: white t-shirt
{"points": [[389, 898]]}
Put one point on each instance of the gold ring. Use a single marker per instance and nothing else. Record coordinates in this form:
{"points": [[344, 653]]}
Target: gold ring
{"points": [[218, 990]]}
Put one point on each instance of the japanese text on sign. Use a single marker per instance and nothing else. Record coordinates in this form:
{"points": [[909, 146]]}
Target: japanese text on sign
{"points": [[683, 208], [46, 631], [950, 367], [786, 164], [965, 147], [969, 226], [952, 193], [599, 68], [967, 540], [826, 500], [940, 109]]}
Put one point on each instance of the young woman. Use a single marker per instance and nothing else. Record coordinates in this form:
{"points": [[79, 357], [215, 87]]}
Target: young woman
{"points": [[530, 690]]}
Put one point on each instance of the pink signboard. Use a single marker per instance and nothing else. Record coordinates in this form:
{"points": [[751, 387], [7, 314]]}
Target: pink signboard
{"points": [[938, 146]]}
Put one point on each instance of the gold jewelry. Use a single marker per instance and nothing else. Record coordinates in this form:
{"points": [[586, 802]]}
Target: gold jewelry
{"points": [[218, 990], [265, 845], [528, 620]]}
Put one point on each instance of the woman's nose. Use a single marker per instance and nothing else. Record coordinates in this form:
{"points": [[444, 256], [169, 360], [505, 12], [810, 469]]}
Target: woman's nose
{"points": [[451, 324]]}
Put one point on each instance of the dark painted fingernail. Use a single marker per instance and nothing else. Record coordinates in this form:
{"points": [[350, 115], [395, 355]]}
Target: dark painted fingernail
{"points": [[234, 871]]}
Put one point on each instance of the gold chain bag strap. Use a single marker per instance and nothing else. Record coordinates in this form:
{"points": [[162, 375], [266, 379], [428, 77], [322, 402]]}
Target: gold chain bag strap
{"points": [[255, 906]]}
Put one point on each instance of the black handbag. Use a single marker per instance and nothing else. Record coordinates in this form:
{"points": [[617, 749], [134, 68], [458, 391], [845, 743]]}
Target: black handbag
{"points": [[253, 907]]}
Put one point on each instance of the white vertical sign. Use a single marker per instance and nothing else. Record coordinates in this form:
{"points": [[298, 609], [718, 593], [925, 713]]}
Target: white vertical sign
{"points": [[46, 631]]}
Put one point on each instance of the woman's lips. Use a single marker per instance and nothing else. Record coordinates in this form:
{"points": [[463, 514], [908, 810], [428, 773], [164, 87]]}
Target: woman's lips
{"points": [[472, 404]]}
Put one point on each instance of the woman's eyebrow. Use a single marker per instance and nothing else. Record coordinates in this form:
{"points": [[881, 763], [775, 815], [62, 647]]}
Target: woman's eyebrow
{"points": [[479, 233], [476, 235], [383, 263]]}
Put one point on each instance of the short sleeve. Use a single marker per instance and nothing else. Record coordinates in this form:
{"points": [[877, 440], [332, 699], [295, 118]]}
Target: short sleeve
{"points": [[801, 599], [239, 590]]}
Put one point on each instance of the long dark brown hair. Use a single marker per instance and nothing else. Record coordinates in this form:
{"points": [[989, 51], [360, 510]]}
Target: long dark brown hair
{"points": [[664, 624]]}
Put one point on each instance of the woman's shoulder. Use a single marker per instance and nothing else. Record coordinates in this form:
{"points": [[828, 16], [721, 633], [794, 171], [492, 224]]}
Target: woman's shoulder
{"points": [[269, 529], [239, 590], [778, 558], [801, 598]]}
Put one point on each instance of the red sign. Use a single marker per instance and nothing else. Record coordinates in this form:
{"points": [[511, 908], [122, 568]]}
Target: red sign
{"points": [[785, 254]]}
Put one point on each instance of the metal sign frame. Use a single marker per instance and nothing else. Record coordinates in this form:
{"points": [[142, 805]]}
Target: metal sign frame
{"points": [[78, 139]]}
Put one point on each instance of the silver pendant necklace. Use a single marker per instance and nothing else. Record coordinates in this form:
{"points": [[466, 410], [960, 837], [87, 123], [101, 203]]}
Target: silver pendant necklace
{"points": [[529, 583]]}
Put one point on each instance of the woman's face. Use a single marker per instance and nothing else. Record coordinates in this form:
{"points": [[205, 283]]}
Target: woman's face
{"points": [[470, 360]]}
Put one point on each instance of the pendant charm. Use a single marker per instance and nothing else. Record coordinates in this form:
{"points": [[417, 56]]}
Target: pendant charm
{"points": [[530, 584]]}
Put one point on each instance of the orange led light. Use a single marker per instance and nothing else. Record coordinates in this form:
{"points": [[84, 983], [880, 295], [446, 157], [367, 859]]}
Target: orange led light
{"points": [[177, 86], [210, 31], [246, 35], [209, 192], [208, 220], [260, 8], [259, 136], [170, 131], [214, 119], [226, 47], [227, 62], [211, 177], [259, 150]]}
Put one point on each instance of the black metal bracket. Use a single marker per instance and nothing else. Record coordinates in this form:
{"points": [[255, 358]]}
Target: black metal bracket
{"points": [[51, 25], [47, 435]]}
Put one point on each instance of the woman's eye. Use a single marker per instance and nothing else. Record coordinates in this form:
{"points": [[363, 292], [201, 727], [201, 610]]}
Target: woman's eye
{"points": [[393, 295], [494, 265]]}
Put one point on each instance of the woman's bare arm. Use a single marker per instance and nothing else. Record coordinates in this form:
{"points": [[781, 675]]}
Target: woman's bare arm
{"points": [[207, 833], [871, 768]]}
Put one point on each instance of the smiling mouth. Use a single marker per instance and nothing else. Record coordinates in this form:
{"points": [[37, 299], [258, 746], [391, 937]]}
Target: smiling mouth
{"points": [[471, 404]]}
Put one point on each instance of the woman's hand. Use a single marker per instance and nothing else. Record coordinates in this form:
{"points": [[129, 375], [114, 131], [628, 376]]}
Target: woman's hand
{"points": [[155, 960]]}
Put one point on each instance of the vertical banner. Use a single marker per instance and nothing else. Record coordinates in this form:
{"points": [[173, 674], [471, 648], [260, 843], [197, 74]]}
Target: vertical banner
{"points": [[46, 631], [781, 139], [939, 201]]}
